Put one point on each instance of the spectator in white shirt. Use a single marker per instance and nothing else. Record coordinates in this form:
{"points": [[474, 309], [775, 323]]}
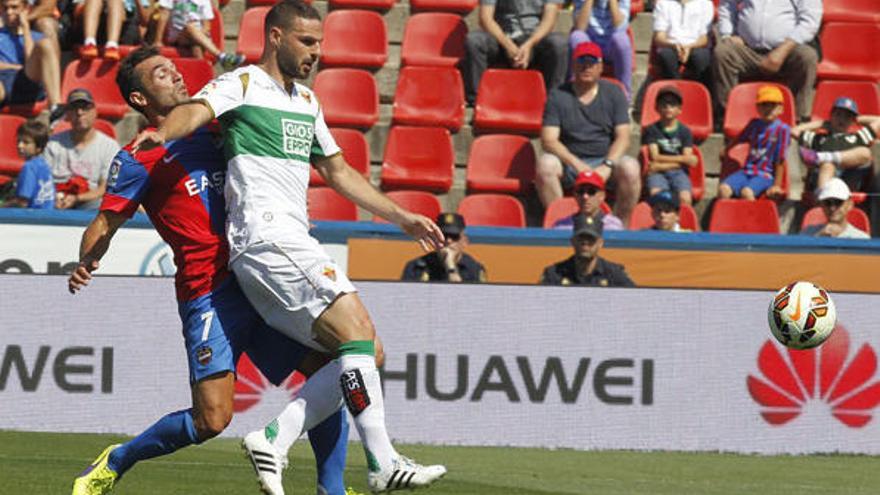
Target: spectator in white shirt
{"points": [[681, 38]]}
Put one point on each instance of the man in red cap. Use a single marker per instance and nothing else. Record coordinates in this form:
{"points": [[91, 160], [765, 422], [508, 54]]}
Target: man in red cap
{"points": [[589, 193], [586, 127]]}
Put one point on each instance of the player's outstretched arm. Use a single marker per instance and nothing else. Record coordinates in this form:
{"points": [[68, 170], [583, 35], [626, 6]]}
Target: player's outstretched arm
{"points": [[95, 242], [348, 182], [181, 122]]}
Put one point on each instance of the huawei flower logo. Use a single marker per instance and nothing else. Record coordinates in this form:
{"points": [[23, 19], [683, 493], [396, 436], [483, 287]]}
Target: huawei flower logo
{"points": [[797, 379], [250, 385]]}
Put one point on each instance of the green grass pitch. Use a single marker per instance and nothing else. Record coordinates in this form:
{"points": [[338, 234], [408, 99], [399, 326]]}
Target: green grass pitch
{"points": [[45, 463]]}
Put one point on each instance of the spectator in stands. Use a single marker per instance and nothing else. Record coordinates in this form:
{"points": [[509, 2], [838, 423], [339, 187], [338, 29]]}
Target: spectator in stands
{"points": [[30, 64], [190, 27], [681, 38], [836, 202], [34, 187], [768, 38], [450, 263], [586, 267], [80, 157], [519, 33], [664, 211], [838, 147], [670, 148], [589, 193], [586, 127], [43, 16], [605, 23], [768, 142], [112, 15]]}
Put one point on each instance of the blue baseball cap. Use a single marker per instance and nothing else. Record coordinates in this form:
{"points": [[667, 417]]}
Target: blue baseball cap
{"points": [[846, 104]]}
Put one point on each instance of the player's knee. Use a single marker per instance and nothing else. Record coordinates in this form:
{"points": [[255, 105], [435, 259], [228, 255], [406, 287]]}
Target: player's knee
{"points": [[211, 422]]}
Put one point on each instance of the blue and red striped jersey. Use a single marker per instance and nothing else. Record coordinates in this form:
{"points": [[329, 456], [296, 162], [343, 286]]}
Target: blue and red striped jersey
{"points": [[768, 142], [180, 185]]}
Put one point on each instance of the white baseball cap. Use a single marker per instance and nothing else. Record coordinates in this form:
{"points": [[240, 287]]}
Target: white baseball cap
{"points": [[835, 189]]}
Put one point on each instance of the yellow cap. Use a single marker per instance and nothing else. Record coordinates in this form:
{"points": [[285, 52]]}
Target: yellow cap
{"points": [[770, 94]]}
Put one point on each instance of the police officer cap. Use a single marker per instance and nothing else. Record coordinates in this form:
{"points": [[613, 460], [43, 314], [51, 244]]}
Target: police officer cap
{"points": [[450, 223], [588, 225]]}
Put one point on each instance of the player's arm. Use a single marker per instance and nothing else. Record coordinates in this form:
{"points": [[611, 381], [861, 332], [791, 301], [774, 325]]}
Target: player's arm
{"points": [[181, 122], [94, 244], [351, 184]]}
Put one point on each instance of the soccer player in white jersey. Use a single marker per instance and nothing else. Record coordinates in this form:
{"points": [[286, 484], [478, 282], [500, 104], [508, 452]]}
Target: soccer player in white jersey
{"points": [[274, 129]]}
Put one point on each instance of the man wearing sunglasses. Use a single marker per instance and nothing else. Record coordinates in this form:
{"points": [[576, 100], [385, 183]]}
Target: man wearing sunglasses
{"points": [[836, 203], [589, 194], [449, 263]]}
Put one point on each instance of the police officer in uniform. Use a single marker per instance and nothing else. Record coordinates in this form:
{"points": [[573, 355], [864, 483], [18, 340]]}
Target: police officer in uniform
{"points": [[585, 267], [450, 263]]}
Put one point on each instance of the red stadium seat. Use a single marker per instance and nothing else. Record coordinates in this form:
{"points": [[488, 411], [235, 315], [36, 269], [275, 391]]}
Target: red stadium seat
{"points": [[734, 159], [102, 125], [418, 101], [354, 38], [865, 94], [510, 100], [355, 150], [418, 158], [494, 210], [349, 97], [196, 72], [850, 11], [744, 217], [421, 202], [10, 162], [741, 107], [262, 3], [326, 204], [500, 163], [697, 174], [250, 33], [457, 6], [433, 38], [362, 4], [696, 107], [846, 52], [24, 109], [642, 217], [98, 77], [857, 217]]}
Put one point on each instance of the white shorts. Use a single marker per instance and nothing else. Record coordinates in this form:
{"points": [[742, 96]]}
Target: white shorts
{"points": [[290, 286]]}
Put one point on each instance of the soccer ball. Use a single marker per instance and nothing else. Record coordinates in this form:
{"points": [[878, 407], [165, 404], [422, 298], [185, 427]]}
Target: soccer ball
{"points": [[802, 315]]}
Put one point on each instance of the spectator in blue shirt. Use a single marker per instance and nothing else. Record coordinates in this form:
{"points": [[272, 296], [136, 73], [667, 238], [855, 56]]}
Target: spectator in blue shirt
{"points": [[35, 188]]}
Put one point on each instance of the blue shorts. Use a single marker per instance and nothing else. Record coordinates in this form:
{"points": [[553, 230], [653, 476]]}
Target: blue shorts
{"points": [[739, 179], [18, 88], [220, 325], [677, 180]]}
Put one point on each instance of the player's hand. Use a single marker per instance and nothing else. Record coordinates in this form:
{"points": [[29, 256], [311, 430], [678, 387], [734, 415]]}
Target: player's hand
{"points": [[81, 276], [147, 140], [424, 230]]}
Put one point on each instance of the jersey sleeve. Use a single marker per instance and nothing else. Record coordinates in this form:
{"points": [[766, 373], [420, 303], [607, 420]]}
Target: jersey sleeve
{"points": [[126, 185], [206, 11], [224, 93], [323, 145], [27, 182]]}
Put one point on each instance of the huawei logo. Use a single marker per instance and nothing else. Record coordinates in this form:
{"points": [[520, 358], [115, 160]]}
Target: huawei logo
{"points": [[826, 377], [250, 385]]}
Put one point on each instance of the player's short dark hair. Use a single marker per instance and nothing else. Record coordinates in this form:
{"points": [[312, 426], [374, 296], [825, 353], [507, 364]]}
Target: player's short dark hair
{"points": [[35, 130], [127, 79], [285, 12]]}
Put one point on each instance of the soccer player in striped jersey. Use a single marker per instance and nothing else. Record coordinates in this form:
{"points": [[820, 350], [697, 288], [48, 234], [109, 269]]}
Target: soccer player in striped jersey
{"points": [[180, 185], [274, 131]]}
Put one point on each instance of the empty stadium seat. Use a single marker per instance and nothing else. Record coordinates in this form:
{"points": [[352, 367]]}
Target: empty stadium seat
{"points": [[857, 217], [419, 99], [196, 72], [846, 52], [10, 162], [362, 4], [418, 158], [349, 97], [642, 217], [102, 125], [421, 202], [494, 210], [696, 108], [510, 100], [355, 150], [457, 6], [741, 107], [501, 163], [865, 94], [98, 77], [734, 158], [434, 39], [697, 174], [354, 38], [326, 204], [744, 217], [564, 207], [851, 11], [250, 33]]}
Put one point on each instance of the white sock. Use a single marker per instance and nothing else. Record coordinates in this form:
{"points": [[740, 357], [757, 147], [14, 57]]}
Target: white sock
{"points": [[316, 401], [90, 41], [362, 390], [112, 44], [829, 156]]}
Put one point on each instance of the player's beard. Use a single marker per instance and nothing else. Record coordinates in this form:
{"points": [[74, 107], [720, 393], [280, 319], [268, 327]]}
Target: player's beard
{"points": [[290, 66]]}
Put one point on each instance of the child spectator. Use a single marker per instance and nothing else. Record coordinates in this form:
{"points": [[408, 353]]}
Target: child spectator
{"points": [[665, 212], [189, 27], [670, 148], [681, 37], [768, 141], [838, 147], [110, 13], [35, 188]]}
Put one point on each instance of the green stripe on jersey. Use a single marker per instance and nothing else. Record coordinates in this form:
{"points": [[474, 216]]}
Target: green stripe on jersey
{"points": [[260, 131]]}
